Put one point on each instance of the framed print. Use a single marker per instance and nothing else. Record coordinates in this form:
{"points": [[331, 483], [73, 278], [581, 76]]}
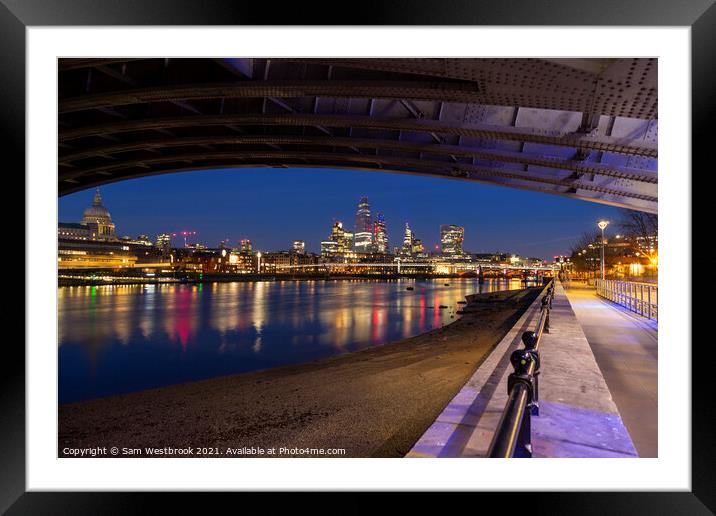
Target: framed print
{"points": [[270, 252]]}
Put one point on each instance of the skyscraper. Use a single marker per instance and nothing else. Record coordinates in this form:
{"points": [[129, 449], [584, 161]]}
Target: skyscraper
{"points": [[412, 246], [245, 245], [451, 238], [363, 227], [164, 242], [408, 240], [380, 232], [299, 247], [339, 243]]}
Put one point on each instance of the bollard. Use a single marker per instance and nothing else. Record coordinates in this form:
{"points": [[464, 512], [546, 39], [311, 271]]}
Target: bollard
{"points": [[545, 308], [522, 360], [529, 339]]}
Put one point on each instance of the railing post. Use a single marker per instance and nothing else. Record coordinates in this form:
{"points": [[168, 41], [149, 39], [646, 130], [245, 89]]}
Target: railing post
{"points": [[545, 309], [641, 299], [529, 339], [632, 297], [522, 360]]}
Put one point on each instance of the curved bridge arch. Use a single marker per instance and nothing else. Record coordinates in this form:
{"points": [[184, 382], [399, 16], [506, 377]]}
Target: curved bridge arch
{"points": [[581, 128]]}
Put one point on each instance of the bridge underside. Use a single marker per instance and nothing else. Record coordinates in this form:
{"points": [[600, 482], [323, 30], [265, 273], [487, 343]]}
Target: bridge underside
{"points": [[584, 128]]}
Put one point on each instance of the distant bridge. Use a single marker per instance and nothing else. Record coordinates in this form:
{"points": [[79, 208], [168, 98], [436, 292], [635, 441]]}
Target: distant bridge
{"points": [[400, 265], [582, 128]]}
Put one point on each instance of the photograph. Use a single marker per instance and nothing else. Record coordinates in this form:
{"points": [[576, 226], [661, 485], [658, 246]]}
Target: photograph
{"points": [[272, 252], [357, 257]]}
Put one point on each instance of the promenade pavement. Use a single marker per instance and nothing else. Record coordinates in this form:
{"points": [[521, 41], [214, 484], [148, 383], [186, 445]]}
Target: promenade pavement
{"points": [[626, 348], [577, 417]]}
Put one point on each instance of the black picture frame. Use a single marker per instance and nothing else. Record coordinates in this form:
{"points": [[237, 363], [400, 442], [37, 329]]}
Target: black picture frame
{"points": [[17, 15]]}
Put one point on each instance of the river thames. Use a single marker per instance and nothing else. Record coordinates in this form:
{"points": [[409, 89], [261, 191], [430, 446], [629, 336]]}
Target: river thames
{"points": [[119, 339]]}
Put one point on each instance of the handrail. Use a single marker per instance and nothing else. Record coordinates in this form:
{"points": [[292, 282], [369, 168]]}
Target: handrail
{"points": [[514, 431], [641, 298]]}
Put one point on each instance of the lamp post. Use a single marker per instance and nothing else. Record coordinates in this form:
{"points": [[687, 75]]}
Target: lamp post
{"points": [[602, 224]]}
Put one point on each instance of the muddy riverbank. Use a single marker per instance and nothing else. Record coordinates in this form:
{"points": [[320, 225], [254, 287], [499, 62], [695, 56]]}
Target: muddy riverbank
{"points": [[372, 403]]}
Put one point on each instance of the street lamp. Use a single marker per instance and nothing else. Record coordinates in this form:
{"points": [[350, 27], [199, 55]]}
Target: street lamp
{"points": [[602, 224]]}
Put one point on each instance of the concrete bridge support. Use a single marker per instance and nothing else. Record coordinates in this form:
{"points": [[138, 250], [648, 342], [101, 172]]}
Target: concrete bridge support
{"points": [[480, 275]]}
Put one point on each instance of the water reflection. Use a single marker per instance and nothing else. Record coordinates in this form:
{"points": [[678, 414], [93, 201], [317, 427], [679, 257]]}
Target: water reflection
{"points": [[115, 339]]}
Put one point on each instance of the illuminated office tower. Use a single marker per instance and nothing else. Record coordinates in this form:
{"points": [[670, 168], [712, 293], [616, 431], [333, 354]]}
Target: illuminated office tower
{"points": [[451, 238], [164, 242], [380, 232], [408, 240], [299, 247], [329, 248], [245, 245], [339, 243], [364, 227], [344, 238]]}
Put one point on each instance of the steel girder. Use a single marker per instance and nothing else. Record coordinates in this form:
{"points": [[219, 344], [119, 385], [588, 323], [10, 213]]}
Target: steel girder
{"points": [[582, 128]]}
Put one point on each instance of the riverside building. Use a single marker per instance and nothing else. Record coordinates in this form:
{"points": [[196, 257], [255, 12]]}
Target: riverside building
{"points": [[451, 238], [340, 243], [299, 247], [96, 224], [92, 243], [245, 245]]}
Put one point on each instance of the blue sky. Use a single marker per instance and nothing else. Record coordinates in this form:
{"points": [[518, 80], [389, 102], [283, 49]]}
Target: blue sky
{"points": [[272, 207]]}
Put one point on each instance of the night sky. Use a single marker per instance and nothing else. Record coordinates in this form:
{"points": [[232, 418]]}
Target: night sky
{"points": [[273, 207]]}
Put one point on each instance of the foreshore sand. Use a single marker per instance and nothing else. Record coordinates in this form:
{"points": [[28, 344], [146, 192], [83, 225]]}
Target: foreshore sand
{"points": [[371, 403]]}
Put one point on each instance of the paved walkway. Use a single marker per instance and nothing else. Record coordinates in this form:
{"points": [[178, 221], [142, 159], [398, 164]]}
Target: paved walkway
{"points": [[625, 347], [578, 417]]}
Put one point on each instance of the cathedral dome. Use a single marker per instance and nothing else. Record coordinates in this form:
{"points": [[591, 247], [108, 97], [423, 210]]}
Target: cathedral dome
{"points": [[96, 214]]}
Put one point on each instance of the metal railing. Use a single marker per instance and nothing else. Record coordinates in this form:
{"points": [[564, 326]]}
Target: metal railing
{"points": [[513, 437], [641, 298]]}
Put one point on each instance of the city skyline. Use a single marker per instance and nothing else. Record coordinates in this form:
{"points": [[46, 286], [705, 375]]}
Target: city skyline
{"points": [[159, 205]]}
